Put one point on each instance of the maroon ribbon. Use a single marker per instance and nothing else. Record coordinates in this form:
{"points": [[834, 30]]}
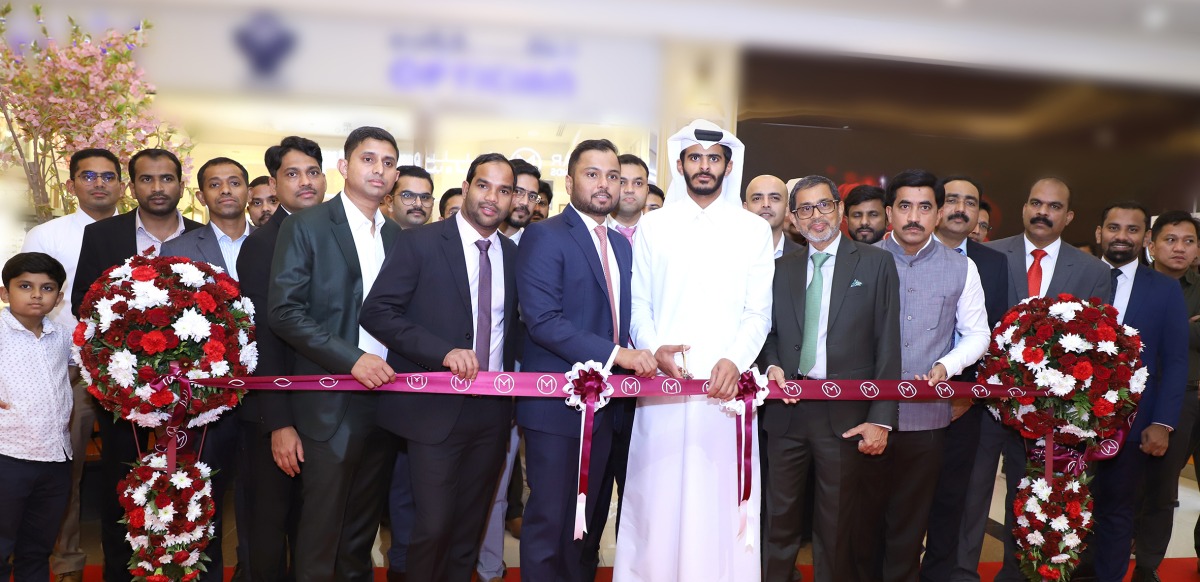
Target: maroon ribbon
{"points": [[176, 435], [588, 387], [747, 391]]}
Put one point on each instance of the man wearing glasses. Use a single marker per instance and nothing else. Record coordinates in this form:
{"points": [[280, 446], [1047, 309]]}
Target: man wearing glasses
{"points": [[96, 183], [542, 209], [412, 198], [984, 227], [525, 198]]}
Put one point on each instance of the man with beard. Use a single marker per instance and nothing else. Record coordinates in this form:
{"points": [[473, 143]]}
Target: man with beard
{"points": [[655, 199], [709, 256], [450, 203], [1174, 248], [635, 188], [573, 274], [222, 184], [263, 202], [943, 327], [270, 446], [1039, 265], [412, 198], [525, 196], [1153, 304], [96, 183], [956, 220], [545, 195], [865, 218], [980, 233], [766, 196], [849, 301], [156, 177], [447, 301]]}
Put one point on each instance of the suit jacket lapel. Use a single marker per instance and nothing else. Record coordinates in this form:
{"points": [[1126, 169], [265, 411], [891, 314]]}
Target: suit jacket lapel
{"points": [[209, 248], [129, 236], [1016, 266], [1063, 271], [583, 237], [510, 286], [844, 265], [625, 266], [1137, 295], [452, 249], [345, 239]]}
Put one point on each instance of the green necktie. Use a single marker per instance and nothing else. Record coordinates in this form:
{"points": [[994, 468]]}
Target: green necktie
{"points": [[812, 314]]}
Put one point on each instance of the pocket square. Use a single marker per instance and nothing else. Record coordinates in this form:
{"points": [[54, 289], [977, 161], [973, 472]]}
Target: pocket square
{"points": [[855, 283]]}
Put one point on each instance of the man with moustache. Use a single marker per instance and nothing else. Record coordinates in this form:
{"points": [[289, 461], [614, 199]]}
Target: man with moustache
{"points": [[447, 301], [223, 191], [1173, 244], [655, 199], [450, 203], [943, 327], [712, 257], [766, 196], [866, 220], [545, 195], [574, 280], [327, 260], [848, 298], [1040, 265], [156, 177], [263, 201], [97, 186], [270, 446], [984, 225], [631, 204], [956, 220], [412, 197], [525, 196], [1153, 304]]}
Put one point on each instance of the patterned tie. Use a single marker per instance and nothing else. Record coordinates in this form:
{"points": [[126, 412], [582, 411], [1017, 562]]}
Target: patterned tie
{"points": [[960, 251], [602, 232], [1035, 273], [812, 314], [627, 232], [1112, 297], [483, 325]]}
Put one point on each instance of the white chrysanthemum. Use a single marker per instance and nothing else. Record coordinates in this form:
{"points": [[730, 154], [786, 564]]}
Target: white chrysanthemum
{"points": [[1111, 396], [83, 373], [1034, 538], [249, 356], [204, 470], [1138, 382], [198, 374], [1032, 505], [123, 272], [1085, 517], [1015, 353], [192, 559], [218, 269], [180, 480], [1071, 540], [995, 412], [144, 392], [1073, 486], [139, 494], [166, 513], [1024, 483], [994, 379], [243, 337], [244, 304], [1107, 347], [219, 369], [1065, 310], [1059, 559], [1074, 343], [146, 295], [1006, 337], [147, 420], [207, 416], [193, 511], [191, 325], [122, 376], [1056, 382], [1076, 431], [206, 491], [189, 275], [166, 559], [122, 359], [1042, 489], [90, 331], [104, 311], [1022, 521], [1130, 331], [138, 542], [157, 462], [1060, 524]]}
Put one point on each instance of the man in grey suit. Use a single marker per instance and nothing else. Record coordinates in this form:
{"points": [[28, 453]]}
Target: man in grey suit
{"points": [[840, 320], [1039, 264], [326, 261], [224, 191]]}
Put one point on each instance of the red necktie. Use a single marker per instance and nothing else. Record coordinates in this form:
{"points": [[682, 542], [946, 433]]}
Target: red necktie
{"points": [[602, 232], [1035, 273]]}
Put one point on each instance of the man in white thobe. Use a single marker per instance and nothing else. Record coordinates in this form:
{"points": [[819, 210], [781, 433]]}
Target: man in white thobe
{"points": [[700, 298]]}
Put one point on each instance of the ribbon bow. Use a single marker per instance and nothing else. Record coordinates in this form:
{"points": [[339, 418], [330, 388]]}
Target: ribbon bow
{"points": [[752, 391], [176, 435], [587, 391]]}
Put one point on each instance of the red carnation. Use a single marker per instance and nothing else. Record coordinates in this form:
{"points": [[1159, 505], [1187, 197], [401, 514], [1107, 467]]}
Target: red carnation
{"points": [[162, 398], [144, 273], [172, 339], [157, 577], [1102, 407], [181, 556], [158, 317], [228, 287], [205, 302], [190, 576], [134, 339], [137, 518], [214, 350], [1033, 355], [154, 342], [80, 331], [146, 374], [1048, 573], [1082, 370]]}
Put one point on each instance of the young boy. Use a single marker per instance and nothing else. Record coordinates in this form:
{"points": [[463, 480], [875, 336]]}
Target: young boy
{"points": [[35, 409]]}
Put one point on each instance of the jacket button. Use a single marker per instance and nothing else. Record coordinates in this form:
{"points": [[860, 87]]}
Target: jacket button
{"points": [[468, 335], [797, 348]]}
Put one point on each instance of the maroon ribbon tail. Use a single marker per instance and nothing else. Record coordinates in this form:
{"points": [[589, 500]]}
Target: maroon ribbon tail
{"points": [[585, 461]]}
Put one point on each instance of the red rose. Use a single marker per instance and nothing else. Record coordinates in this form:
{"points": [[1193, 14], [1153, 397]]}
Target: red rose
{"points": [[1102, 407], [158, 317], [205, 302], [162, 398], [154, 342], [1082, 370]]}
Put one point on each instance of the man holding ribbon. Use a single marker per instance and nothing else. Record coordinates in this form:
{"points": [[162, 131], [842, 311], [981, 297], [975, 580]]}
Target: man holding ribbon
{"points": [[701, 301], [573, 276]]}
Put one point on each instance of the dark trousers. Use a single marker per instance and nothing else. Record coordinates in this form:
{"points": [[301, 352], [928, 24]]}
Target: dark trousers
{"points": [[400, 510], [1114, 490], [342, 481], [894, 503], [220, 452], [1160, 491], [118, 450], [516, 490], [618, 458], [950, 495], [995, 440], [272, 507], [453, 484], [548, 548], [33, 500], [837, 464]]}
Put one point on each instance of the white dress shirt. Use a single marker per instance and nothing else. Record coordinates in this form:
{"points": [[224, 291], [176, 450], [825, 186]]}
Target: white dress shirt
{"points": [[613, 270], [1048, 263], [496, 254], [516, 236], [62, 239], [146, 240], [35, 386], [230, 248], [369, 247], [779, 245], [1124, 287], [820, 368]]}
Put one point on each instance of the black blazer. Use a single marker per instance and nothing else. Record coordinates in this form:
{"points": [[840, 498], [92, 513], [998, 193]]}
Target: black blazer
{"points": [[107, 243], [864, 332], [993, 276], [420, 308], [313, 303], [275, 357]]}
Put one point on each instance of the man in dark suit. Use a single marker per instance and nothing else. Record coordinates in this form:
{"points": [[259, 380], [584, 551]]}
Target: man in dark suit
{"points": [[1153, 304], [447, 300], [272, 490], [573, 275], [327, 259], [1039, 264], [957, 218], [156, 180], [223, 190], [839, 320], [767, 197]]}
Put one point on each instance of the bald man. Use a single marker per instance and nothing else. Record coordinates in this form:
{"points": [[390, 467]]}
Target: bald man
{"points": [[767, 197]]}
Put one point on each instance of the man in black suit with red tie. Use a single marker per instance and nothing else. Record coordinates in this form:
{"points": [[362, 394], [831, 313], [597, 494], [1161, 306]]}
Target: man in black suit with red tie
{"points": [[446, 299]]}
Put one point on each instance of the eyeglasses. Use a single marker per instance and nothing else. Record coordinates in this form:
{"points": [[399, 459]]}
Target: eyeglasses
{"points": [[90, 177], [531, 195], [411, 198], [984, 226], [806, 210]]}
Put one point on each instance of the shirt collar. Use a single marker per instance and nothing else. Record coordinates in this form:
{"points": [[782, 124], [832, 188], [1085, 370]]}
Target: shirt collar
{"points": [[779, 245], [1129, 269], [613, 224], [137, 219], [82, 217], [592, 223], [469, 235], [355, 216], [962, 245], [221, 234], [1051, 249], [832, 249], [11, 321]]}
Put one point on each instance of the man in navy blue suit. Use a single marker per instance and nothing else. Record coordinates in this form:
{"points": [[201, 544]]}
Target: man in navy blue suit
{"points": [[1153, 304], [573, 277]]}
